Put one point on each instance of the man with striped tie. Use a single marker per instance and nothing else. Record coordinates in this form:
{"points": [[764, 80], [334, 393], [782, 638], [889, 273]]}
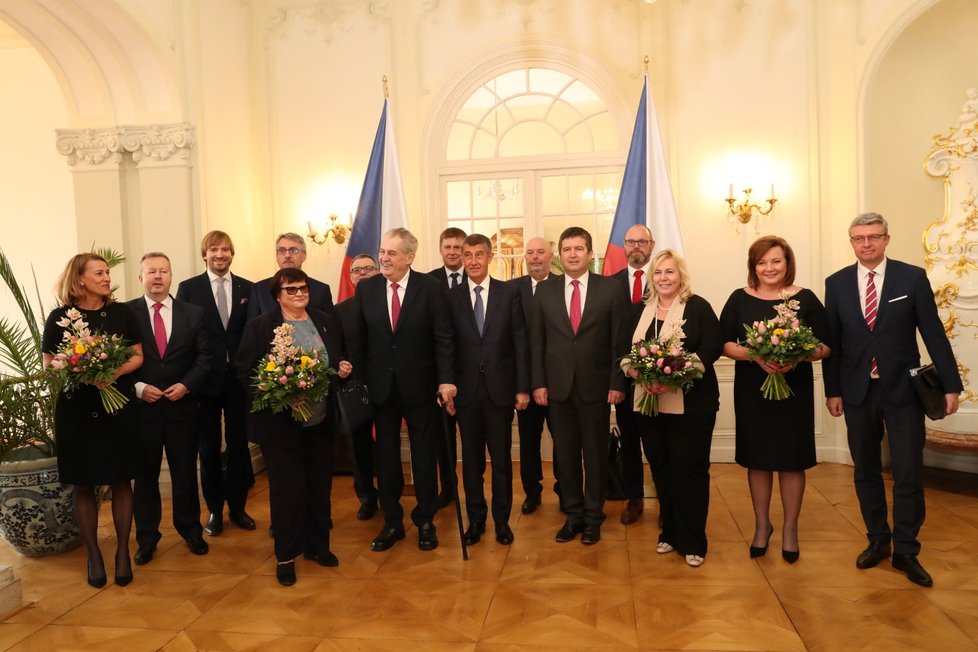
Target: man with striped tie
{"points": [[875, 309]]}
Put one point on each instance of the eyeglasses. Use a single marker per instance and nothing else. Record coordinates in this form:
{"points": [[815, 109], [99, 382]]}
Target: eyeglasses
{"points": [[874, 238], [366, 269], [281, 251], [637, 243], [296, 289]]}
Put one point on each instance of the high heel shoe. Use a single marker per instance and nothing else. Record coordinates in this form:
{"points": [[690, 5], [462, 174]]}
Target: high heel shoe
{"points": [[757, 551], [790, 556], [126, 578], [95, 582]]}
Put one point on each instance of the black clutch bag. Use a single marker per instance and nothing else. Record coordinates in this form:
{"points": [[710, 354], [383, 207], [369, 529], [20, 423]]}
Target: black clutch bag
{"points": [[353, 404], [927, 383]]}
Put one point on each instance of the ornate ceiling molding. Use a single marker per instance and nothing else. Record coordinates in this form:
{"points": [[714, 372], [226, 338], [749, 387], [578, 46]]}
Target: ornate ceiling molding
{"points": [[327, 17], [158, 143], [104, 148], [90, 148]]}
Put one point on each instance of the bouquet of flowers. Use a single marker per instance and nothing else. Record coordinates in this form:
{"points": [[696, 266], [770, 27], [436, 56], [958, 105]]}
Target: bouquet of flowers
{"points": [[664, 362], [783, 340], [90, 358], [289, 378]]}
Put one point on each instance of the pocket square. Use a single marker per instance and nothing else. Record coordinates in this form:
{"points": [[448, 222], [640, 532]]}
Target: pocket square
{"points": [[897, 299], [244, 300]]}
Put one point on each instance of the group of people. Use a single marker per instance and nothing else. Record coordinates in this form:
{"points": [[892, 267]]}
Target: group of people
{"points": [[457, 347]]}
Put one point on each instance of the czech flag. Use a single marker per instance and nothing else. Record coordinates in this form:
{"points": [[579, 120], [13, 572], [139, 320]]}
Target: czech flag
{"points": [[646, 194], [381, 206]]}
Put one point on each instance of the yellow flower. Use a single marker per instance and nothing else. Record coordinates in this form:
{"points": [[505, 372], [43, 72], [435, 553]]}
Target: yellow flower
{"points": [[779, 332], [271, 366], [808, 347], [304, 361], [80, 348]]}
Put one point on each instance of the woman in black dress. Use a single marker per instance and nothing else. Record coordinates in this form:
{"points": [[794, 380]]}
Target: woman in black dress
{"points": [[96, 448], [773, 435], [678, 439], [298, 456]]}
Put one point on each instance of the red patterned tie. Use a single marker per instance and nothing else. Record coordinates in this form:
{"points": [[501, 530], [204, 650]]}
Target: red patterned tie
{"points": [[871, 306], [395, 306], [575, 306], [159, 329], [638, 288]]}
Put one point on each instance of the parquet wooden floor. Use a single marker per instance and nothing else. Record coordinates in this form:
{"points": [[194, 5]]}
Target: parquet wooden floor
{"points": [[534, 595]]}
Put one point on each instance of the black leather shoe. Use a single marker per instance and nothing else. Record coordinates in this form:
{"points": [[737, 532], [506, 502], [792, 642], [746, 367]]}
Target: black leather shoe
{"points": [[242, 520], [591, 535], [568, 533], [214, 525], [329, 559], [197, 546], [96, 581], [504, 534], [285, 573], [915, 572], [790, 556], [530, 505], [474, 533], [122, 579], [427, 539], [144, 554], [366, 511], [387, 538], [760, 551], [876, 552], [633, 510]]}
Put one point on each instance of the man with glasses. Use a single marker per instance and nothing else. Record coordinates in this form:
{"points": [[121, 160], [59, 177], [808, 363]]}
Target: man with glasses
{"points": [[290, 251], [876, 308]]}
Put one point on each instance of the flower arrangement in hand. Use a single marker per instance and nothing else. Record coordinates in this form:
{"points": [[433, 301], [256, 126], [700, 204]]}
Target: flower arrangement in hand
{"points": [[90, 358], [782, 341], [661, 362], [289, 378]]}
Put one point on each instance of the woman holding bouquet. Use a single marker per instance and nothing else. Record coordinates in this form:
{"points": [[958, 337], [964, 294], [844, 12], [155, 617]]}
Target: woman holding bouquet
{"points": [[96, 445], [296, 345], [773, 434], [677, 439]]}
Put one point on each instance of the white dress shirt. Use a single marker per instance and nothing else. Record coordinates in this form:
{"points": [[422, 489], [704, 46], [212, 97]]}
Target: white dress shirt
{"points": [[569, 290], [227, 288]]}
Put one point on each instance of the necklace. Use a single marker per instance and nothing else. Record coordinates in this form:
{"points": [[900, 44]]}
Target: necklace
{"points": [[655, 322]]}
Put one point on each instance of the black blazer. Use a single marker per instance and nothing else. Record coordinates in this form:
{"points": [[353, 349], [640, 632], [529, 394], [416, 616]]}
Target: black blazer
{"points": [[634, 309], [419, 354], [256, 344], [589, 359], [320, 297], [905, 306], [222, 344], [186, 360], [441, 274], [500, 355]]}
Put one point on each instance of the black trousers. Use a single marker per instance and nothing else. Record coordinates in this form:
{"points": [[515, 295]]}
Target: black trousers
{"points": [[424, 428], [363, 464], [300, 480], [678, 446], [179, 439], [904, 425], [581, 431], [632, 443], [448, 458], [530, 424], [230, 485], [486, 425]]}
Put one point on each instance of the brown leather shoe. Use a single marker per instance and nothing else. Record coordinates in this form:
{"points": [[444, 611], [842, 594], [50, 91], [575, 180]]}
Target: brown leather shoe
{"points": [[633, 509]]}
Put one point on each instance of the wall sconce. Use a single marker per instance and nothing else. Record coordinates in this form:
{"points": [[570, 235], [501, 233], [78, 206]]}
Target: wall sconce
{"points": [[745, 210], [337, 231]]}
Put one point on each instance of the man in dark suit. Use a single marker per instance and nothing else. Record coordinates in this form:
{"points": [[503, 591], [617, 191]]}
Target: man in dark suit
{"points": [[493, 375], [530, 421], [175, 364], [362, 266], [634, 280], [578, 333], [224, 299], [403, 341], [875, 309], [290, 251], [450, 275]]}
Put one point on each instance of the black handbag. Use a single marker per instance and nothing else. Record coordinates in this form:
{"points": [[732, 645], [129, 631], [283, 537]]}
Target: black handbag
{"points": [[353, 405], [615, 489], [927, 383]]}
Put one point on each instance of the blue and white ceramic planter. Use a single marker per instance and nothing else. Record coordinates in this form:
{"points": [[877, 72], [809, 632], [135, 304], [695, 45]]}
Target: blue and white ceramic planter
{"points": [[37, 515]]}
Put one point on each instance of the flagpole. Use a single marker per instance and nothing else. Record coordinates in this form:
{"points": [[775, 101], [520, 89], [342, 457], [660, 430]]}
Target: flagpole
{"points": [[384, 79]]}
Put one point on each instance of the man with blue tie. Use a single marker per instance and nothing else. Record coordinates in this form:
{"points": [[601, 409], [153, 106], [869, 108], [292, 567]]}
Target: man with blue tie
{"points": [[875, 310]]}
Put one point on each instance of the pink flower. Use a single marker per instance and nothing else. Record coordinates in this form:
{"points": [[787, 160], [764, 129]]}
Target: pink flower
{"points": [[659, 363], [775, 340], [760, 340], [667, 370], [689, 364], [58, 364], [302, 384], [90, 339], [675, 353], [289, 370], [644, 352], [795, 324], [103, 355], [282, 380], [761, 328], [655, 349]]}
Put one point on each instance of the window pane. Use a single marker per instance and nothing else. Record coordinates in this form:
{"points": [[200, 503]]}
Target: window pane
{"points": [[554, 200], [581, 193], [603, 132], [531, 138], [509, 84], [547, 81], [457, 196]]}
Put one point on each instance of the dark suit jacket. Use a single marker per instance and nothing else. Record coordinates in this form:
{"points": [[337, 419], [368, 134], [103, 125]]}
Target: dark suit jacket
{"points": [[320, 297], [441, 274], [525, 285], [634, 309], [905, 306], [500, 355], [561, 359], [186, 360], [222, 344], [419, 354], [256, 343]]}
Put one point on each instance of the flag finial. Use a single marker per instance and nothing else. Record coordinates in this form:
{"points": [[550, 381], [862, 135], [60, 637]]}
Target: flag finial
{"points": [[384, 79], [646, 64]]}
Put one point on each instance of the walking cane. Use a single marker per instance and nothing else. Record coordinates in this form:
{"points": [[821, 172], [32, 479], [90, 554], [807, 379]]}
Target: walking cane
{"points": [[450, 440]]}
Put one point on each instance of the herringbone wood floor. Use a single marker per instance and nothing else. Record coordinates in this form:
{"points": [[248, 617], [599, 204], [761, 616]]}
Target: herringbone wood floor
{"points": [[535, 594]]}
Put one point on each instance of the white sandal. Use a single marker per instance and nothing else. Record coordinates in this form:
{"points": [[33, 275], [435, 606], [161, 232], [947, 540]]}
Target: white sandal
{"points": [[694, 560], [664, 547]]}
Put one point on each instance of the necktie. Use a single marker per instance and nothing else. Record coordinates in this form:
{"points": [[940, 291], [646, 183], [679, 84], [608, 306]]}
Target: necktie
{"points": [[871, 306], [480, 310], [454, 276], [638, 288], [159, 329], [395, 305], [222, 301], [575, 306]]}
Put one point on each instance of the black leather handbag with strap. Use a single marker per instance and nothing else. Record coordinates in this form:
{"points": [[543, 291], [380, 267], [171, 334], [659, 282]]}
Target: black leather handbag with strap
{"points": [[353, 404]]}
